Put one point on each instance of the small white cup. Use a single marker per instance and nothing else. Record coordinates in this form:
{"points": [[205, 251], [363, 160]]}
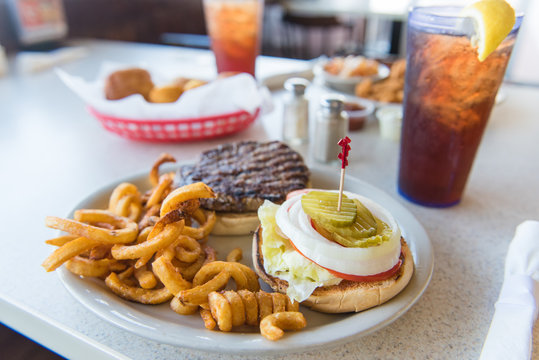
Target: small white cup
{"points": [[390, 118]]}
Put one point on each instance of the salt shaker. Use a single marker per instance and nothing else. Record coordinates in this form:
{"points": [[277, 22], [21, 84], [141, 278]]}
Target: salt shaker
{"points": [[296, 112], [331, 125]]}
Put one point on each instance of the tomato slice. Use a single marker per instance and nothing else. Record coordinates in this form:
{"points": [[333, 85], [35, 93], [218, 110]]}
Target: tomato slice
{"points": [[358, 278], [298, 192], [376, 277]]}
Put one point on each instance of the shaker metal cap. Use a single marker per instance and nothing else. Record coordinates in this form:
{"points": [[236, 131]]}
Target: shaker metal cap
{"points": [[333, 103], [296, 85]]}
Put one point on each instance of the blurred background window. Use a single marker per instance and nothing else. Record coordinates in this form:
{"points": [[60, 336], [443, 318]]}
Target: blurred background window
{"points": [[37, 21], [303, 29]]}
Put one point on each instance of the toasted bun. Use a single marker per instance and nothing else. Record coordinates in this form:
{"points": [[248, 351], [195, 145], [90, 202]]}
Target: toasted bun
{"points": [[347, 296], [235, 223]]}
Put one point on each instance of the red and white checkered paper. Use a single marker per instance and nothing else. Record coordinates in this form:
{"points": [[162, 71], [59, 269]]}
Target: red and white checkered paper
{"points": [[188, 129]]}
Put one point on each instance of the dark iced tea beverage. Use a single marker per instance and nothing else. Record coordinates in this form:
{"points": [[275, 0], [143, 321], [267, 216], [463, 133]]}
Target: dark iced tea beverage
{"points": [[448, 98]]}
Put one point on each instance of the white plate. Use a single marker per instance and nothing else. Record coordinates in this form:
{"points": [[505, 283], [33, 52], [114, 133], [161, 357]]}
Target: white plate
{"points": [[160, 323]]}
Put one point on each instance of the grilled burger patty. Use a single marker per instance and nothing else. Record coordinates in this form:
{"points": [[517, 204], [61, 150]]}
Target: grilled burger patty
{"points": [[244, 174]]}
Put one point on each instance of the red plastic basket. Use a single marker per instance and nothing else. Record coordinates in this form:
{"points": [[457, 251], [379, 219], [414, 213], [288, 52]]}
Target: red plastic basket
{"points": [[187, 129]]}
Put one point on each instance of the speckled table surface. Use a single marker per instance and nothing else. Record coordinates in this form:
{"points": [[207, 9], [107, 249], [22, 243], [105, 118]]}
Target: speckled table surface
{"points": [[54, 154]]}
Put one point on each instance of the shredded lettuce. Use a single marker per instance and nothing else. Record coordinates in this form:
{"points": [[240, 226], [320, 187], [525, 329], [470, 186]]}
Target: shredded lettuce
{"points": [[282, 261]]}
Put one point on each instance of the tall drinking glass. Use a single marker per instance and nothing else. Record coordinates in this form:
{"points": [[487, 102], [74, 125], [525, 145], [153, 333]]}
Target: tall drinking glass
{"points": [[234, 27], [448, 98]]}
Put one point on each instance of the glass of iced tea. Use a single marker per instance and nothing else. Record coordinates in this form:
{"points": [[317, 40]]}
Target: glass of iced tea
{"points": [[449, 95], [234, 27]]}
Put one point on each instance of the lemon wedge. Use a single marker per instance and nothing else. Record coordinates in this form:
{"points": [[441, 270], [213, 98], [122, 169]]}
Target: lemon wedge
{"points": [[493, 21]]}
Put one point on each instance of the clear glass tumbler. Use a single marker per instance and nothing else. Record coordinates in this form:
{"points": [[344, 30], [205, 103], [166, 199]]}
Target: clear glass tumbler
{"points": [[448, 98], [234, 27]]}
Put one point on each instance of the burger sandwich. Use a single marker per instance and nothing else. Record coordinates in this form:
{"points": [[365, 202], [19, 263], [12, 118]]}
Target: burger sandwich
{"points": [[331, 260], [243, 175]]}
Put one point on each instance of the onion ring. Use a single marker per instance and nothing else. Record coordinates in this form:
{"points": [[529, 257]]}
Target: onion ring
{"points": [[265, 304], [209, 321], [190, 206], [93, 268], [252, 278], [171, 217], [169, 275], [188, 192], [220, 310], [251, 306], [189, 271], [210, 270], [145, 278], [143, 296], [127, 273], [291, 305], [150, 217], [199, 216], [154, 172], [157, 195], [279, 302], [272, 326], [143, 235], [100, 252], [236, 306], [151, 245], [188, 249], [199, 294], [181, 308], [120, 192], [204, 228], [235, 255], [129, 206]]}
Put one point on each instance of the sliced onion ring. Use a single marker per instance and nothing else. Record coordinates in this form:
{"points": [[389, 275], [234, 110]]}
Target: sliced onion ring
{"points": [[296, 225]]}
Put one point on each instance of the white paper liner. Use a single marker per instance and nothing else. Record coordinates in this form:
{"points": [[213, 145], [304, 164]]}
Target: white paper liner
{"points": [[221, 96]]}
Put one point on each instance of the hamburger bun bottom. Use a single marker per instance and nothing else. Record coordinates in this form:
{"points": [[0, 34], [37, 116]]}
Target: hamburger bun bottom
{"points": [[228, 224], [347, 296]]}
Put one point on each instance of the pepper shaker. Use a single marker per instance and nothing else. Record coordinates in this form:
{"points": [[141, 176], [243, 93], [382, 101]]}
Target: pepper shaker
{"points": [[296, 112], [331, 125]]}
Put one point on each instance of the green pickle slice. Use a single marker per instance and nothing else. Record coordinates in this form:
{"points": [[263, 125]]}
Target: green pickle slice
{"points": [[321, 206], [383, 234], [353, 226]]}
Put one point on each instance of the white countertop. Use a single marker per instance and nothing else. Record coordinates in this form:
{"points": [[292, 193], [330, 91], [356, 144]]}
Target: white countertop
{"points": [[53, 154]]}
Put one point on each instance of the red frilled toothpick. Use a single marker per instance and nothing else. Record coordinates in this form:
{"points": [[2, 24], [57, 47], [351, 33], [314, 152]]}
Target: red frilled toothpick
{"points": [[344, 143]]}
